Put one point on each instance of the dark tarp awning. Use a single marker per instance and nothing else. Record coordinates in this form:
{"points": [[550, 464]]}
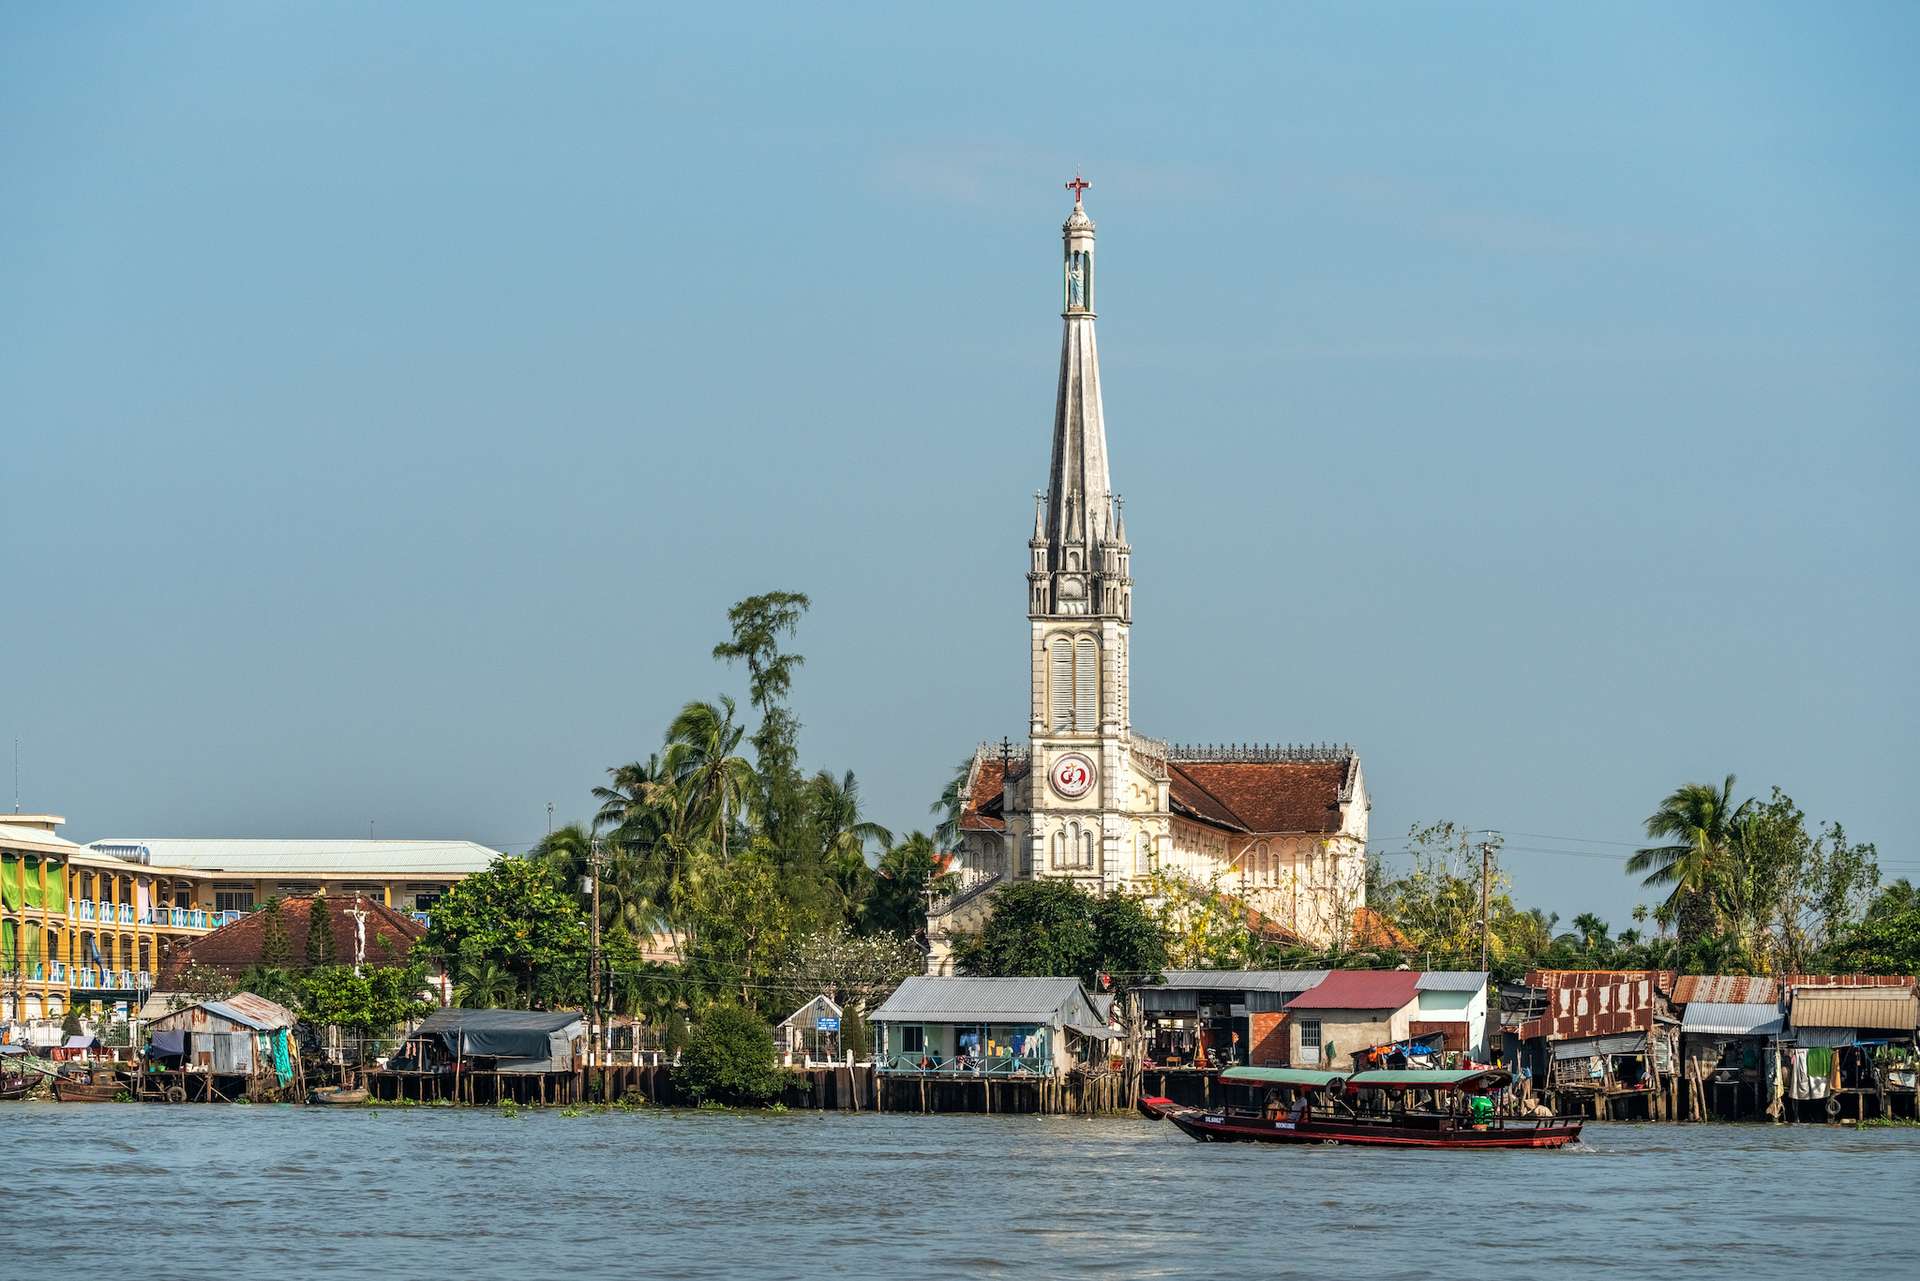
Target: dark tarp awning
{"points": [[170, 1043], [497, 1034]]}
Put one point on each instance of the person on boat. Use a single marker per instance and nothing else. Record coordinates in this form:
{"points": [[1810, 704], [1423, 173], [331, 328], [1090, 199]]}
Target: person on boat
{"points": [[1299, 1111]]}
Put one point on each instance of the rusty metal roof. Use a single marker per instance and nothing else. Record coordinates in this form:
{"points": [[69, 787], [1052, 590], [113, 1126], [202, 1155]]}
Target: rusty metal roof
{"points": [[1889, 1008], [1725, 989], [1586, 1003]]}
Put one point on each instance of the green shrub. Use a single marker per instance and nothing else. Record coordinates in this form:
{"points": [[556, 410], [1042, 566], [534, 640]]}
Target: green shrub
{"points": [[730, 1059]]}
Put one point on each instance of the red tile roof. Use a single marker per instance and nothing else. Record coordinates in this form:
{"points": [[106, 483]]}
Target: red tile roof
{"points": [[1262, 796], [1359, 990], [390, 936], [1237, 796], [985, 810]]}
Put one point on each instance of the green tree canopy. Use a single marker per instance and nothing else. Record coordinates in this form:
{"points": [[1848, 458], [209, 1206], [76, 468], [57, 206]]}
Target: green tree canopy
{"points": [[1054, 928], [518, 917], [730, 1058]]}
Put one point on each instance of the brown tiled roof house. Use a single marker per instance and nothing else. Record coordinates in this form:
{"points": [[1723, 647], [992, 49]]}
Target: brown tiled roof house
{"points": [[389, 937]]}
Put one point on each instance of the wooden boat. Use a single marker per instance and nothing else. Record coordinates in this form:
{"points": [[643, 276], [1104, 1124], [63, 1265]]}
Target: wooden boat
{"points": [[17, 1087], [104, 1087], [1334, 1107], [338, 1096]]}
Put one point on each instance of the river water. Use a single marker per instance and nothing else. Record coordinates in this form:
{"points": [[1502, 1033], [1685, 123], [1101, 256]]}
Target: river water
{"points": [[192, 1192]]}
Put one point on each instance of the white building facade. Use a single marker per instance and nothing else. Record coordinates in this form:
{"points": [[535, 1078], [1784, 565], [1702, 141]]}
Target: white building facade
{"points": [[1084, 797]]}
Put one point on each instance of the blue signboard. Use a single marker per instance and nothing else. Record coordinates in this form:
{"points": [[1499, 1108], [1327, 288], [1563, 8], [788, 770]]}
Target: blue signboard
{"points": [[826, 1024]]}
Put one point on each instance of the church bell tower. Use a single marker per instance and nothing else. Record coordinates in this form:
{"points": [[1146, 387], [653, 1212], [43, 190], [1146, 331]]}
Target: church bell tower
{"points": [[1079, 608]]}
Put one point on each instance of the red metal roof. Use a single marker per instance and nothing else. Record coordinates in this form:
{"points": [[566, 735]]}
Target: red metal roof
{"points": [[1359, 990]]}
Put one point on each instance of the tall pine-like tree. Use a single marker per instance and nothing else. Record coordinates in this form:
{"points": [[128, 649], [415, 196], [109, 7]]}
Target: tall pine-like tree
{"points": [[276, 949], [320, 949]]}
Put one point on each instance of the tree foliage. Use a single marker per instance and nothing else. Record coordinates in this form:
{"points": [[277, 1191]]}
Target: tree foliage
{"points": [[730, 1058], [515, 916], [1054, 928]]}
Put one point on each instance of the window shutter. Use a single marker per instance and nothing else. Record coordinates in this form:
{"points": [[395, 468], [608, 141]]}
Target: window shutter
{"points": [[1086, 683], [1060, 682]]}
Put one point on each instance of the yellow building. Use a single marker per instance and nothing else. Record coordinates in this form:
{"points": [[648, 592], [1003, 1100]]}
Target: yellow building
{"points": [[94, 922], [35, 933]]}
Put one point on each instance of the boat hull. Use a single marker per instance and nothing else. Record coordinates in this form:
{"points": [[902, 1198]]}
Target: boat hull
{"points": [[1222, 1127], [337, 1098], [87, 1092]]}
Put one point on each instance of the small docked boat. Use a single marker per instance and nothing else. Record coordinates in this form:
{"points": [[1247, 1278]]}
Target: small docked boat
{"points": [[16, 1087], [1371, 1109], [101, 1087], [338, 1096]]}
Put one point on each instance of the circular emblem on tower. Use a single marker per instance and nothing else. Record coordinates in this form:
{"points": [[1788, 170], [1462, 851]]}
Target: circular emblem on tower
{"points": [[1072, 776]]}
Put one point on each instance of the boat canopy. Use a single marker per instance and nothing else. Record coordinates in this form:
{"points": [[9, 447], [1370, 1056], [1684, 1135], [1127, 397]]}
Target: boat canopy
{"points": [[1470, 1079], [1282, 1076]]}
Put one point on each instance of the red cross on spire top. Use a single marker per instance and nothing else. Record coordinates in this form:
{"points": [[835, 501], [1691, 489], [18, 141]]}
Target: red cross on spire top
{"points": [[1077, 186]]}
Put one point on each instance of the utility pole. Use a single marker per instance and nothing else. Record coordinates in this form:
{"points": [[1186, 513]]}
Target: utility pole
{"points": [[549, 818], [1486, 890], [593, 955]]}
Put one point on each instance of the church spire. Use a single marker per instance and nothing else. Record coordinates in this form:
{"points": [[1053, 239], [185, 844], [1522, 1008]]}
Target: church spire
{"points": [[1079, 571]]}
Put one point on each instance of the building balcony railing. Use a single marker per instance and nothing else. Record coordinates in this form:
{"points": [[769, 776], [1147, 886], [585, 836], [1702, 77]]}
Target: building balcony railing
{"points": [[966, 1065], [186, 918], [102, 979]]}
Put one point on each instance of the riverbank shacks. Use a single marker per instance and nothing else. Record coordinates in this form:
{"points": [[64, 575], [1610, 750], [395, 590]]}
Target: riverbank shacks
{"points": [[1728, 1026], [504, 1041], [1452, 1005], [1349, 1013], [1198, 1017], [1849, 1039], [1609, 1035], [217, 1051], [1025, 1027]]}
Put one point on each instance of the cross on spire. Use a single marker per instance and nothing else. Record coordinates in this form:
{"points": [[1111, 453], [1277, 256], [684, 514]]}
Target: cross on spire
{"points": [[1077, 186]]}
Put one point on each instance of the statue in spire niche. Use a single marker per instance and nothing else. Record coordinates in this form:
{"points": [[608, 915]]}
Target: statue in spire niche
{"points": [[1076, 284]]}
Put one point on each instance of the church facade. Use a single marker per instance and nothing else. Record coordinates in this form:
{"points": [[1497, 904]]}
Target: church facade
{"points": [[1084, 797]]}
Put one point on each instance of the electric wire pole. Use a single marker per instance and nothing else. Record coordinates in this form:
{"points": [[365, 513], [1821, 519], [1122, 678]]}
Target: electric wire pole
{"points": [[1486, 888], [593, 956]]}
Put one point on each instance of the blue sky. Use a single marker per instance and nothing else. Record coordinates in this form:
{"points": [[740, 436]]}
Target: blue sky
{"points": [[394, 398]]}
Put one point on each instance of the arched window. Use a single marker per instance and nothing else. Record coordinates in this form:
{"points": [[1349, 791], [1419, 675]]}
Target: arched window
{"points": [[1060, 683], [1086, 850], [1086, 684], [1073, 684], [1059, 849]]}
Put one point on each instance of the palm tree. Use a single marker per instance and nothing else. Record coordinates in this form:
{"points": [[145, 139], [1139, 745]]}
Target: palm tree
{"points": [[844, 835], [484, 985], [709, 776], [1698, 822], [1591, 931], [946, 834]]}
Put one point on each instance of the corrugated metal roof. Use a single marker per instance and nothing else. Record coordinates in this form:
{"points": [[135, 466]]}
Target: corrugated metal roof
{"points": [[302, 857], [975, 1000], [1587, 1003], [1725, 989], [244, 1008], [1451, 981], [34, 840], [1587, 1046], [1359, 990], [1894, 1009], [1244, 980], [1733, 1018]]}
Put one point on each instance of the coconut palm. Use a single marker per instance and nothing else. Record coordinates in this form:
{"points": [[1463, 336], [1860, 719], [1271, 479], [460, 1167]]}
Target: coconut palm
{"points": [[844, 834], [952, 803], [1697, 821], [710, 778]]}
